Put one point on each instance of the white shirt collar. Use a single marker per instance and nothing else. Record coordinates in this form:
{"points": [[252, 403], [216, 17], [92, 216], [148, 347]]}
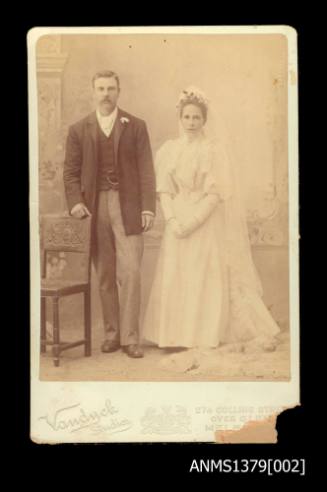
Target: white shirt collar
{"points": [[107, 121]]}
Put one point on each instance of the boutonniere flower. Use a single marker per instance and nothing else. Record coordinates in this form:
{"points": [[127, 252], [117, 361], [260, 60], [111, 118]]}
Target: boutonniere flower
{"points": [[123, 119]]}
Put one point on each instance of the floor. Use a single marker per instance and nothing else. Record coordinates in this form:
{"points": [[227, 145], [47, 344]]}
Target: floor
{"points": [[242, 362]]}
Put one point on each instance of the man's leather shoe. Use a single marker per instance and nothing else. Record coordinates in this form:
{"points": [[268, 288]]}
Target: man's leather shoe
{"points": [[133, 351], [108, 346]]}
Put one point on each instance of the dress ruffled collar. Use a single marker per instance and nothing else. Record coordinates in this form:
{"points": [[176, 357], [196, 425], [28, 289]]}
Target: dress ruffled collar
{"points": [[188, 157]]}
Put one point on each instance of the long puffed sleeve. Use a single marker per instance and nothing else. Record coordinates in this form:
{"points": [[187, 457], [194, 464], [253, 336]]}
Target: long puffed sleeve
{"points": [[166, 203], [165, 185], [162, 168], [207, 204], [217, 187], [204, 209]]}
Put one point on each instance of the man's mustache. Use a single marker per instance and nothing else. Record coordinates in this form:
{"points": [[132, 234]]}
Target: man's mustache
{"points": [[106, 99]]}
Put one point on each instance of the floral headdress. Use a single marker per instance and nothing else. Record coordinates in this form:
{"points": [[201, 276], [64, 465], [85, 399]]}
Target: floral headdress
{"points": [[192, 94]]}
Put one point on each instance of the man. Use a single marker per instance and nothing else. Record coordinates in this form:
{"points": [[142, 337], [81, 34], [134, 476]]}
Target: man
{"points": [[108, 173]]}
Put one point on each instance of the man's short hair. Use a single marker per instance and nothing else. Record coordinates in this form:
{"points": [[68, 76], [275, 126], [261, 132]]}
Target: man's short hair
{"points": [[108, 74]]}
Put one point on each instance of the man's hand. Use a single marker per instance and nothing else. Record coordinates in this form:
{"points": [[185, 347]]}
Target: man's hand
{"points": [[147, 222], [80, 211]]}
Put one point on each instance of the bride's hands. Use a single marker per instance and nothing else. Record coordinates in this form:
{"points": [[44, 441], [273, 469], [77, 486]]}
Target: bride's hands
{"points": [[182, 230], [175, 227], [190, 226]]}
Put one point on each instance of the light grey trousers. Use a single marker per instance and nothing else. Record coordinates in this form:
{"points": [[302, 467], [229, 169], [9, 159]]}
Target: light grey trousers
{"points": [[118, 263]]}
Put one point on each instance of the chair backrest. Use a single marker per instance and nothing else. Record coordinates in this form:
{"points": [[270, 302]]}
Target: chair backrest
{"points": [[65, 246]]}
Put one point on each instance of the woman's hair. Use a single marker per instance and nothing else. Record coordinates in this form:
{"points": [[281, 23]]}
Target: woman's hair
{"points": [[194, 102], [193, 95]]}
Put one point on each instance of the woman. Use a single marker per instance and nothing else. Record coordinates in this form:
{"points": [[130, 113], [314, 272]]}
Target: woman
{"points": [[205, 290]]}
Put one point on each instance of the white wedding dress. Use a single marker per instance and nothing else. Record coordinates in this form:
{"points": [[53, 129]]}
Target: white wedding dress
{"points": [[205, 289]]}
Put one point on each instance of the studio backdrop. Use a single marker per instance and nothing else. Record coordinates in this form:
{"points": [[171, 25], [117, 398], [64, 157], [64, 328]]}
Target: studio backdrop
{"points": [[245, 79]]}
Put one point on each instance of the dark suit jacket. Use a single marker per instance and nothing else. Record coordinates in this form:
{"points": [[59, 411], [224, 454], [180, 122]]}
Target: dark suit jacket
{"points": [[134, 163]]}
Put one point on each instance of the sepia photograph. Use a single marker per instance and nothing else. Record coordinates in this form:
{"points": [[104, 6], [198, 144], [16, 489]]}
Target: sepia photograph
{"points": [[163, 206]]}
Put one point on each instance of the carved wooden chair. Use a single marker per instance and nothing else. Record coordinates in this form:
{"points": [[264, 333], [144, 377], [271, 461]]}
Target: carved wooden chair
{"points": [[60, 237]]}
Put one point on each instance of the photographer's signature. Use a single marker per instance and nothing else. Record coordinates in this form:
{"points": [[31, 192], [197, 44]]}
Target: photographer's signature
{"points": [[74, 418]]}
